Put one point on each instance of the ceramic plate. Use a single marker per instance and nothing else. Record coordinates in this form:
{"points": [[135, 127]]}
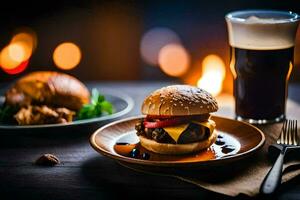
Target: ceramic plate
{"points": [[236, 140], [121, 102]]}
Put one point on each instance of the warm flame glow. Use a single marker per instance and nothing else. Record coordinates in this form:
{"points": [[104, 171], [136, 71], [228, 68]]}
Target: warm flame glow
{"points": [[213, 74], [174, 59], [215, 63], [67, 56], [211, 82], [152, 42]]}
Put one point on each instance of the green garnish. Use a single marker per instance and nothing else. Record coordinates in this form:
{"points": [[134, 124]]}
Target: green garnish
{"points": [[96, 108]]}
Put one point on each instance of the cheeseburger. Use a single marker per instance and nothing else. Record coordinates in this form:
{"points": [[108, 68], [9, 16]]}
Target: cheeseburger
{"points": [[177, 120]]}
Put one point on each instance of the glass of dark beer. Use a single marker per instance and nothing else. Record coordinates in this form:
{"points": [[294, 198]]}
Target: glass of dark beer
{"points": [[261, 49]]}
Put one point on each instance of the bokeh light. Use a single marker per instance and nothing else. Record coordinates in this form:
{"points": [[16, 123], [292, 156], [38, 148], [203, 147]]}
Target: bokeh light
{"points": [[17, 52], [174, 59], [26, 36], [22, 45], [153, 41], [20, 68], [8, 61], [213, 74], [14, 57], [67, 55]]}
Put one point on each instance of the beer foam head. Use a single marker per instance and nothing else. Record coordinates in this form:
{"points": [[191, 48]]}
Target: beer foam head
{"points": [[259, 29]]}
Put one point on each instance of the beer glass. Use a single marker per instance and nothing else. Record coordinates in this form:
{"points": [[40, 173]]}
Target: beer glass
{"points": [[261, 60]]}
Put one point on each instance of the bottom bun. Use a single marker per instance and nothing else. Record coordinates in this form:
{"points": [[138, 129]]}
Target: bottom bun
{"points": [[175, 149]]}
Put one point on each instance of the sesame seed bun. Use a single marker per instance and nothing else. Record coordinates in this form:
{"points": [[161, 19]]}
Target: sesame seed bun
{"points": [[176, 149], [179, 100]]}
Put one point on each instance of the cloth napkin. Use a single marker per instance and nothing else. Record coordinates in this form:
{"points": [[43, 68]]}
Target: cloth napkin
{"points": [[240, 177]]}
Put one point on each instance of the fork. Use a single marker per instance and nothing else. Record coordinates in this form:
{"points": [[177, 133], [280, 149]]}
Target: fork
{"points": [[288, 139]]}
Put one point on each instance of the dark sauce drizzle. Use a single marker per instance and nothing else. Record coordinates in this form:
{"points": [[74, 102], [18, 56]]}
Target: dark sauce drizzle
{"points": [[225, 145]]}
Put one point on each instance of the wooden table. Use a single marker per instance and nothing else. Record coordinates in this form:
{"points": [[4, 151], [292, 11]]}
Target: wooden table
{"points": [[84, 174]]}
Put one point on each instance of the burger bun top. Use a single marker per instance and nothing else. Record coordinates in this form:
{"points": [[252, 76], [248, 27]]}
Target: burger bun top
{"points": [[179, 100]]}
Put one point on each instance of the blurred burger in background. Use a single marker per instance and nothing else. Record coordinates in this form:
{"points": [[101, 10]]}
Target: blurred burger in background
{"points": [[46, 97]]}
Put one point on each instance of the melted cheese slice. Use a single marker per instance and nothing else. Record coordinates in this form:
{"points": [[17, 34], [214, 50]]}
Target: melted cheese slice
{"points": [[176, 131]]}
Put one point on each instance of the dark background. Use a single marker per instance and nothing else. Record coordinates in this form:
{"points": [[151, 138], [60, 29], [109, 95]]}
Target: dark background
{"points": [[109, 33]]}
